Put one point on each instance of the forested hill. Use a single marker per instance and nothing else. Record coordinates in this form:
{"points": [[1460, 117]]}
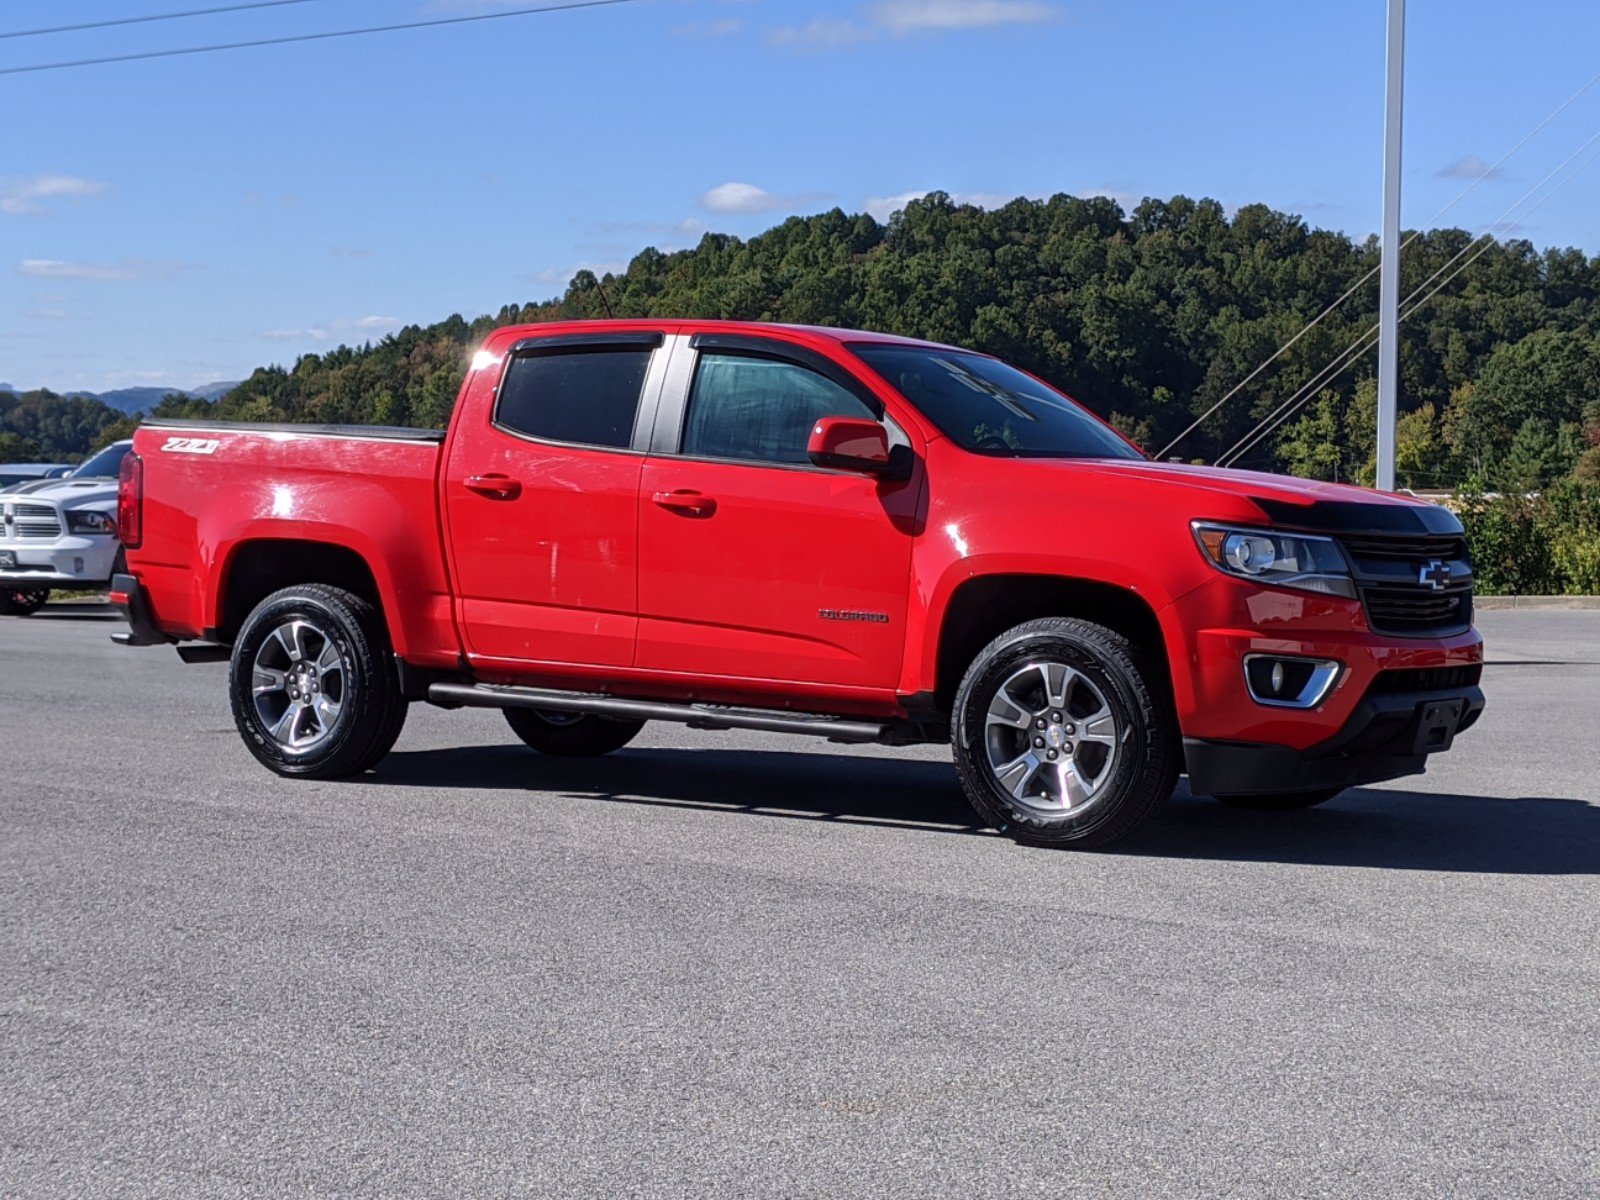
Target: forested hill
{"points": [[1149, 318]]}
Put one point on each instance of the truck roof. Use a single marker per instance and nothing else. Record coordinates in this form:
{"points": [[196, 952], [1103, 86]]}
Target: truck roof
{"points": [[826, 333]]}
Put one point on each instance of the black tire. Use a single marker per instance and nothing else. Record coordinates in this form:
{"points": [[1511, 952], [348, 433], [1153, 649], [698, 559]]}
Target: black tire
{"points": [[370, 709], [1133, 783], [22, 602], [1280, 801], [571, 735]]}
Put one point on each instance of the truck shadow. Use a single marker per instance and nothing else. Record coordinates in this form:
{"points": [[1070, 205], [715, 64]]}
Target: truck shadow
{"points": [[1394, 828], [76, 610]]}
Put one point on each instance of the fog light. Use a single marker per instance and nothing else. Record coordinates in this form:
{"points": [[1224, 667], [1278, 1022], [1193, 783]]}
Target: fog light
{"points": [[77, 566], [1289, 682]]}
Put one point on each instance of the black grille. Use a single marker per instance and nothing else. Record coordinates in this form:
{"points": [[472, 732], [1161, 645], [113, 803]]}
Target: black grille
{"points": [[1427, 679], [1412, 585], [1421, 549]]}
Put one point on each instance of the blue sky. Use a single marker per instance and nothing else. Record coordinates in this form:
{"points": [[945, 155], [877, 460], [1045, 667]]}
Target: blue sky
{"points": [[184, 220]]}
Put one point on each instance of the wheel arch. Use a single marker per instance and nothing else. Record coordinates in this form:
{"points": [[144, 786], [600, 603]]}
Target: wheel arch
{"points": [[255, 568], [985, 606]]}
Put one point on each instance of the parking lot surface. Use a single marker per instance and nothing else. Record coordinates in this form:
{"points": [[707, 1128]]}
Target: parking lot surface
{"points": [[744, 965]]}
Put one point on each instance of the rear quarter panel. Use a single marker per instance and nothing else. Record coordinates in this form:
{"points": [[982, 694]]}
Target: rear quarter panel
{"points": [[372, 496]]}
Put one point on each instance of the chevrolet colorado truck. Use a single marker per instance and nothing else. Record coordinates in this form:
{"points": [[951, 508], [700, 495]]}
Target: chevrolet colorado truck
{"points": [[814, 531]]}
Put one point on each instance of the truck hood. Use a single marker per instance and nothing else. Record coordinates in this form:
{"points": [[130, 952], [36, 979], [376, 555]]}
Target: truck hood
{"points": [[1282, 500], [68, 493]]}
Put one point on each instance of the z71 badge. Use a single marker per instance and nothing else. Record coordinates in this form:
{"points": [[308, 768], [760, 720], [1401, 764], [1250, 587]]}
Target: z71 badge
{"points": [[189, 445]]}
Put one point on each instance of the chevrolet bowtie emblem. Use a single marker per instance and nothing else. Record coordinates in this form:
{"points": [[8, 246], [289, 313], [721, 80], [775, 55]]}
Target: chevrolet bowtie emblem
{"points": [[1435, 575]]}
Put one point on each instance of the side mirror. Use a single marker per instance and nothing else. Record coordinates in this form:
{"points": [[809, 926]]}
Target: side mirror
{"points": [[850, 444]]}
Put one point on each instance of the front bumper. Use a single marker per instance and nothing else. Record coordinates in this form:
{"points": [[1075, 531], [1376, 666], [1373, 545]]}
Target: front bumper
{"points": [[1212, 630], [1388, 735], [64, 562]]}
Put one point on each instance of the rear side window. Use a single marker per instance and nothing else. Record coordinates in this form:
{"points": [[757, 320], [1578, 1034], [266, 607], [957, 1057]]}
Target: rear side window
{"points": [[588, 397], [760, 409]]}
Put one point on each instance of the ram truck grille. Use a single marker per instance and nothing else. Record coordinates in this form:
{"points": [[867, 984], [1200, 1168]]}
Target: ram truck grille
{"points": [[30, 522], [1412, 586]]}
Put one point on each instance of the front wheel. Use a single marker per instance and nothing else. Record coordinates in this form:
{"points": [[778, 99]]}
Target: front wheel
{"points": [[22, 602], [1063, 735], [1280, 801], [313, 684], [570, 735]]}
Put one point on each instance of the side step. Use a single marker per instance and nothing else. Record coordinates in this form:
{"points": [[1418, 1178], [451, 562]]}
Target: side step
{"points": [[696, 716]]}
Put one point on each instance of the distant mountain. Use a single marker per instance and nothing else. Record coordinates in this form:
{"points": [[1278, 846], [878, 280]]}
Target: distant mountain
{"points": [[135, 400]]}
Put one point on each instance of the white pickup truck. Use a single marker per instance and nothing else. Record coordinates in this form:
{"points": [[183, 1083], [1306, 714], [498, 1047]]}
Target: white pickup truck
{"points": [[60, 533]]}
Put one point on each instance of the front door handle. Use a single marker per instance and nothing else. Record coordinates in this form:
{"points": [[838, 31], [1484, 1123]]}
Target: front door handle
{"points": [[691, 503], [496, 487]]}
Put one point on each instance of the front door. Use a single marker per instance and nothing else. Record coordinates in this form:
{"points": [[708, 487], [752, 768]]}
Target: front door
{"points": [[755, 564], [541, 498]]}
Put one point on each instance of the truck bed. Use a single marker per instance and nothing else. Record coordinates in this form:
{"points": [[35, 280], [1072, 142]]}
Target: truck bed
{"points": [[215, 488]]}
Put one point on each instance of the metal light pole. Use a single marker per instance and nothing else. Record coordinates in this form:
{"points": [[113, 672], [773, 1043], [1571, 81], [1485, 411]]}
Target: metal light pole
{"points": [[1389, 264]]}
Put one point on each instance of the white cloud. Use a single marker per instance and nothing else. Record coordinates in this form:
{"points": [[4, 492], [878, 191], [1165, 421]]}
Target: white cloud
{"points": [[901, 17], [30, 194], [331, 330], [561, 276], [128, 268], [1126, 198], [883, 207], [1470, 167], [726, 27], [689, 227], [822, 34], [744, 199]]}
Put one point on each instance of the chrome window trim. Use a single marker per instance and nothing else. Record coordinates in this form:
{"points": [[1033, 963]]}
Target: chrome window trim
{"points": [[672, 415], [643, 416]]}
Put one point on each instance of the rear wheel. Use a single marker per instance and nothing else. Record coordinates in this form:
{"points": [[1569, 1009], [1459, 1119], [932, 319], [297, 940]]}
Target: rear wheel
{"points": [[313, 683], [22, 602], [1280, 801], [1063, 736], [570, 735]]}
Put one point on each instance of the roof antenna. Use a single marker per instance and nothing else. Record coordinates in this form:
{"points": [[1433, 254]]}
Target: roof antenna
{"points": [[604, 299]]}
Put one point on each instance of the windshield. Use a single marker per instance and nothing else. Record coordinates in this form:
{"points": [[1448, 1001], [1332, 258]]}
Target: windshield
{"points": [[985, 406], [105, 465]]}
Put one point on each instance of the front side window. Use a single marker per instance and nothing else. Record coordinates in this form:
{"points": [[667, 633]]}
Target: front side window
{"points": [[588, 397], [760, 409], [985, 406]]}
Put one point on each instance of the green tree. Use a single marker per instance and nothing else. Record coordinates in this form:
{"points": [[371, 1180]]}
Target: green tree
{"points": [[16, 448]]}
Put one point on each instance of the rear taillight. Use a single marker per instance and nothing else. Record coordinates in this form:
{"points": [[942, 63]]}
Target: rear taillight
{"points": [[130, 501]]}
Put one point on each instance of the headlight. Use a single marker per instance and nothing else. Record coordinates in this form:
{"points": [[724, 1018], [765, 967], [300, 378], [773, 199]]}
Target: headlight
{"points": [[89, 521], [1301, 561]]}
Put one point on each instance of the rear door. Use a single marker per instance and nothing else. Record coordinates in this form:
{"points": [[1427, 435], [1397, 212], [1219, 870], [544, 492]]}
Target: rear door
{"points": [[541, 498], [753, 563]]}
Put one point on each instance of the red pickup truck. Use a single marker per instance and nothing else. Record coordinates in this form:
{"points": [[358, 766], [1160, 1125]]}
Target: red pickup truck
{"points": [[851, 535]]}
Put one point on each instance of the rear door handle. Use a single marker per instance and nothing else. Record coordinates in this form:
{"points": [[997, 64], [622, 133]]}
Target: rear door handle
{"points": [[692, 503], [496, 487]]}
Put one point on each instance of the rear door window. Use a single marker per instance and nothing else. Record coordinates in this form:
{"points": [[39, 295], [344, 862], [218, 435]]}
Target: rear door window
{"points": [[585, 397]]}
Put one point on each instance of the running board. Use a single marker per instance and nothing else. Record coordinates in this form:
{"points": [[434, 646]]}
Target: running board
{"points": [[696, 716]]}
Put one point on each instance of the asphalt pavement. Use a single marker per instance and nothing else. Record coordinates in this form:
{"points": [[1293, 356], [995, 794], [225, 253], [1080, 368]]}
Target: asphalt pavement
{"points": [[752, 966]]}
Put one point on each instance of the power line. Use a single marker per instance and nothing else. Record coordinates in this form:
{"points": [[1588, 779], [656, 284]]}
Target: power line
{"points": [[1347, 358], [1278, 353], [1366, 341], [1298, 399], [311, 37], [193, 12]]}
